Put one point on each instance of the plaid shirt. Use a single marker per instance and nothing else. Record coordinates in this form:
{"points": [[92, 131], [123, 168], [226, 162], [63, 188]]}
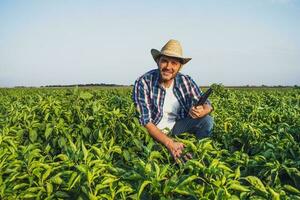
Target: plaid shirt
{"points": [[148, 96]]}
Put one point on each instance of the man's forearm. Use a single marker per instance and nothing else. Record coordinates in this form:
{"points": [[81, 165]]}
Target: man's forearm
{"points": [[157, 134], [207, 108], [175, 148]]}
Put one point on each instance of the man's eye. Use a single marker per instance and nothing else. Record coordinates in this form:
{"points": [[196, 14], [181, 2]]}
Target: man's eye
{"points": [[174, 63]]}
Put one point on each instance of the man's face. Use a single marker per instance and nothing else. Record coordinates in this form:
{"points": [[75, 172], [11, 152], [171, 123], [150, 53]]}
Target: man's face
{"points": [[168, 67]]}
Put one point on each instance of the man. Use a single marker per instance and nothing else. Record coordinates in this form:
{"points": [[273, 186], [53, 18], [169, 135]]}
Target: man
{"points": [[165, 100]]}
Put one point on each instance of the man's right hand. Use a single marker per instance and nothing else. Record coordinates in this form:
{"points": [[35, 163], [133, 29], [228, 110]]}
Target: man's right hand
{"points": [[175, 148]]}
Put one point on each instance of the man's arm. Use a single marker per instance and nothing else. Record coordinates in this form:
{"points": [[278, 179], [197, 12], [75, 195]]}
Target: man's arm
{"points": [[140, 97], [175, 148], [199, 111], [196, 91]]}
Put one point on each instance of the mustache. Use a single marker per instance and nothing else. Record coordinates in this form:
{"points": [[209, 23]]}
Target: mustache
{"points": [[167, 70]]}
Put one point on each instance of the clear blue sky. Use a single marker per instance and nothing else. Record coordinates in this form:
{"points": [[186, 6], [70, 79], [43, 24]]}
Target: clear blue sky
{"points": [[251, 42]]}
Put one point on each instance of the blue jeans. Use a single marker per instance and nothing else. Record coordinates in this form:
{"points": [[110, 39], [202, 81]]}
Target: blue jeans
{"points": [[201, 127]]}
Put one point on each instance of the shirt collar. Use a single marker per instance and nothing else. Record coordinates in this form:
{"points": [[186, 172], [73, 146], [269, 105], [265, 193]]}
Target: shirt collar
{"points": [[177, 81]]}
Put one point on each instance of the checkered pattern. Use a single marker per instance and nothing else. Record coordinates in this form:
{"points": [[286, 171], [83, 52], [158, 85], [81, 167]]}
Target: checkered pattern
{"points": [[148, 96]]}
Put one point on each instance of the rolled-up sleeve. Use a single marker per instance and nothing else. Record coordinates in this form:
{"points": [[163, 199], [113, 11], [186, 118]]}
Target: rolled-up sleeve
{"points": [[141, 99]]}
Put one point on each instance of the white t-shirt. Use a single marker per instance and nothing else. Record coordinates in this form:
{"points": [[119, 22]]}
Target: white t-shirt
{"points": [[170, 109]]}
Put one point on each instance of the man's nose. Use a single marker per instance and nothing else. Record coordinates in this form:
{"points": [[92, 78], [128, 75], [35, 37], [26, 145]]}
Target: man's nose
{"points": [[168, 64]]}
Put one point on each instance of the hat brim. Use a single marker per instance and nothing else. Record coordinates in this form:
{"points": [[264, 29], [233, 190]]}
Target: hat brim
{"points": [[156, 54]]}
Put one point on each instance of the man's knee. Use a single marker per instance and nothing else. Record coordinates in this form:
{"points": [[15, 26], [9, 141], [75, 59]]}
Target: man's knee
{"points": [[208, 122], [204, 126]]}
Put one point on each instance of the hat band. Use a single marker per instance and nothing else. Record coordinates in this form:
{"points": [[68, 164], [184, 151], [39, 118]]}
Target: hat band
{"points": [[171, 53]]}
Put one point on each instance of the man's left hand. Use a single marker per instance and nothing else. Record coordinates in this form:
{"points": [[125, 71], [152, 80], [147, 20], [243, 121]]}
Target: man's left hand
{"points": [[199, 111]]}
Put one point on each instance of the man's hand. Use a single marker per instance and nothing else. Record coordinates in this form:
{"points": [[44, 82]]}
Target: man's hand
{"points": [[197, 112], [175, 148], [200, 111]]}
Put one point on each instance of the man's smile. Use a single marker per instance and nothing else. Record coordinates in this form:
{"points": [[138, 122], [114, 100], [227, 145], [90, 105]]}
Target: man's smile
{"points": [[167, 72]]}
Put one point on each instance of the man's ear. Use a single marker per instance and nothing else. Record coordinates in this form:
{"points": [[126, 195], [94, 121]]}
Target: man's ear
{"points": [[181, 65], [157, 61]]}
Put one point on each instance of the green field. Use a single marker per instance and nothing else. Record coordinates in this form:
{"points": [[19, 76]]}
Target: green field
{"points": [[70, 143]]}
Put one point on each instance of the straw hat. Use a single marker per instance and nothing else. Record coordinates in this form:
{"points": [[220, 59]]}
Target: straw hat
{"points": [[172, 49]]}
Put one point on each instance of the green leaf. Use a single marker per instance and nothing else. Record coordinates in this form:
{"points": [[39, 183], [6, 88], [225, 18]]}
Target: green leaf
{"points": [[49, 188], [35, 189], [148, 168], [72, 184], [48, 131], [89, 177], [86, 131], [29, 195], [187, 180], [234, 197], [85, 151], [256, 183], [143, 185], [224, 167], [132, 176], [62, 194], [196, 163], [62, 157], [100, 187], [164, 171], [125, 188], [237, 173], [56, 179], [73, 146], [126, 155], [46, 174], [109, 180], [238, 187], [221, 194], [71, 179], [47, 149], [32, 135], [92, 197], [291, 189], [82, 168], [62, 142], [275, 195], [182, 192], [19, 186], [85, 95], [155, 155]]}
